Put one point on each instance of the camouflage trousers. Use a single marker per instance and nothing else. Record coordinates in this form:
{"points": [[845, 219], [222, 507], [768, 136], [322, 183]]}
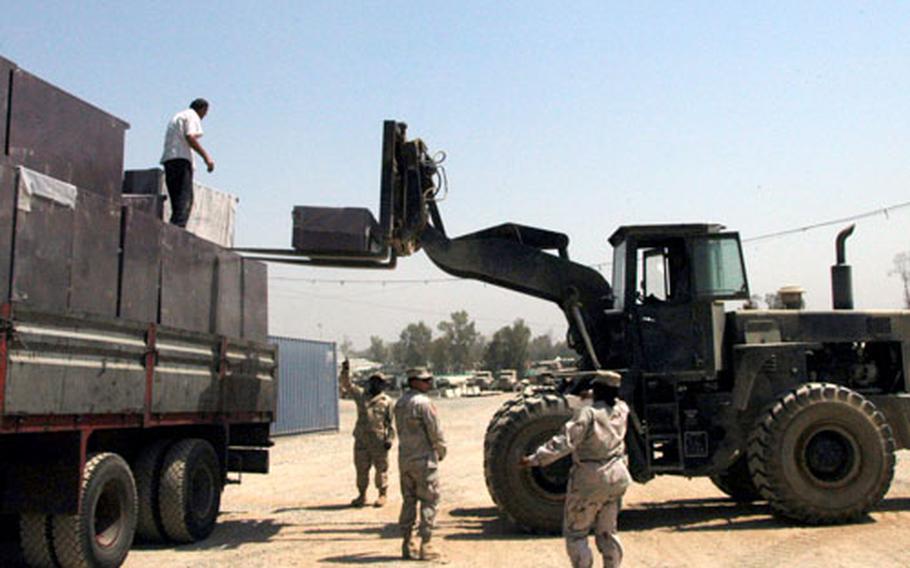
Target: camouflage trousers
{"points": [[419, 483], [582, 513], [367, 455]]}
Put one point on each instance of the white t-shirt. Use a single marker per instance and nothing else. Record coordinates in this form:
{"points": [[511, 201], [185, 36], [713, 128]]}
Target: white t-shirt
{"points": [[185, 123]]}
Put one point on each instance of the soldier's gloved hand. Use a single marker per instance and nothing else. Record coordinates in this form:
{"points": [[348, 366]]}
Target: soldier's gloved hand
{"points": [[388, 445]]}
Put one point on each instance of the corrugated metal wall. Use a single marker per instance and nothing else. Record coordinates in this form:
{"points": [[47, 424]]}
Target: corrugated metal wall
{"points": [[307, 386]]}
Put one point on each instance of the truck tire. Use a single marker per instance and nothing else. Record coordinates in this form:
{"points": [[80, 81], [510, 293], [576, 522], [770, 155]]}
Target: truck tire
{"points": [[147, 472], [101, 533], [531, 498], [737, 482], [822, 454], [35, 540], [190, 492]]}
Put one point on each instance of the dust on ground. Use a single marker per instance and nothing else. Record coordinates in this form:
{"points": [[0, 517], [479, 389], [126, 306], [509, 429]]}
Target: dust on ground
{"points": [[299, 516]]}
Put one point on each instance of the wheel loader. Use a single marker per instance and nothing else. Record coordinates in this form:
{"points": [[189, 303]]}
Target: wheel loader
{"points": [[802, 409]]}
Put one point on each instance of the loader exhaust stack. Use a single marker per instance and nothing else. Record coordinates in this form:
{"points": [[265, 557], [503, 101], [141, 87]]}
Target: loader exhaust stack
{"points": [[842, 274]]}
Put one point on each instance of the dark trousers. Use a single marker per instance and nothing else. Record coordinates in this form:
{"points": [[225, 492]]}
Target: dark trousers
{"points": [[178, 176]]}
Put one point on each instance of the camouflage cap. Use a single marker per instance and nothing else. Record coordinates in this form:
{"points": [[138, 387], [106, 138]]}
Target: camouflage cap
{"points": [[379, 377], [607, 378], [420, 373]]}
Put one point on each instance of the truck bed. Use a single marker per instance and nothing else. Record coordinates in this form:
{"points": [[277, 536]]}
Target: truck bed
{"points": [[58, 371]]}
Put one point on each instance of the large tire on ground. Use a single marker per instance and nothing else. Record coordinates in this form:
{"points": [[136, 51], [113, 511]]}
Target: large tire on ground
{"points": [[35, 540], [737, 482], [147, 472], [532, 498], [822, 454], [190, 492], [100, 534]]}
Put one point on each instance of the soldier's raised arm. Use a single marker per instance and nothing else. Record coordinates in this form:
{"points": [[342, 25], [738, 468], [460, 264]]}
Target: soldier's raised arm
{"points": [[344, 381], [434, 430], [563, 443]]}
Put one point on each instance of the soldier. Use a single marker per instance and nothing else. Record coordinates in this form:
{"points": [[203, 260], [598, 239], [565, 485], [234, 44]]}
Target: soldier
{"points": [[373, 433], [599, 475], [420, 449]]}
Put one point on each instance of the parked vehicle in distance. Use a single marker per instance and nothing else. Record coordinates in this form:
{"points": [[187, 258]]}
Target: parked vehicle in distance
{"points": [[482, 379], [507, 380]]}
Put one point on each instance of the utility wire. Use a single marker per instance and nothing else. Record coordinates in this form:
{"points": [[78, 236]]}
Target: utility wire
{"points": [[601, 265], [882, 211]]}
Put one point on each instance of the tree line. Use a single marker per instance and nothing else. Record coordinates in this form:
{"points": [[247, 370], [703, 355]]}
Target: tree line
{"points": [[458, 347]]}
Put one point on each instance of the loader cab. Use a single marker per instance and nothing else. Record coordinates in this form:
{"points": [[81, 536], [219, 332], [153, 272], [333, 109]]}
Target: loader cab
{"points": [[671, 280]]}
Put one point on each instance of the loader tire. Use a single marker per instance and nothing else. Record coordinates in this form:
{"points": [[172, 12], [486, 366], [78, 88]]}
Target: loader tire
{"points": [[100, 533], [190, 491], [147, 472], [822, 454], [531, 498], [35, 540], [736, 482]]}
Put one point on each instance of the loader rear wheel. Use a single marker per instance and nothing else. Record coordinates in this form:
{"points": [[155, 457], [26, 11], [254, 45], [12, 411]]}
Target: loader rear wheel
{"points": [[190, 492], [100, 533], [35, 540], [737, 482], [147, 471], [822, 454], [532, 498]]}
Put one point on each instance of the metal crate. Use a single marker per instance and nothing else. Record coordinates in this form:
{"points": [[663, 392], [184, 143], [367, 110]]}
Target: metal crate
{"points": [[55, 133]]}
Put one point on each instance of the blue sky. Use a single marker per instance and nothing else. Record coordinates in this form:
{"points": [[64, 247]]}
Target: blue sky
{"points": [[577, 117]]}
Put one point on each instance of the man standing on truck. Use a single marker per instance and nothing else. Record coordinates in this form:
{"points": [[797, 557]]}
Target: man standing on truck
{"points": [[421, 447], [180, 140], [599, 476], [373, 433]]}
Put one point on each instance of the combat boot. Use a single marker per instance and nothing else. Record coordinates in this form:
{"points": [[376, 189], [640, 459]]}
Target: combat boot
{"points": [[360, 501], [409, 548], [380, 501], [428, 552]]}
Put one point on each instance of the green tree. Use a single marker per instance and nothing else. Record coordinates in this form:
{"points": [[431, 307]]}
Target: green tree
{"points": [[459, 336], [508, 348], [413, 346], [346, 347], [542, 348], [439, 356], [377, 351]]}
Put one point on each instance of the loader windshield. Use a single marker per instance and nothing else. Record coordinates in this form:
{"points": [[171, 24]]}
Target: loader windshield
{"points": [[719, 270]]}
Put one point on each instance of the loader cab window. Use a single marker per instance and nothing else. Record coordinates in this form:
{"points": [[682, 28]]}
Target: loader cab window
{"points": [[718, 267], [655, 278], [663, 272], [619, 276]]}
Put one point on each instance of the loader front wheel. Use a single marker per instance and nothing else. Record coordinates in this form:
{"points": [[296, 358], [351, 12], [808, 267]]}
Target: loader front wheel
{"points": [[532, 498], [822, 454], [736, 482]]}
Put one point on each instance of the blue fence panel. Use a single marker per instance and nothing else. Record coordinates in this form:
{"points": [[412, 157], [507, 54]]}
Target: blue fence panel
{"points": [[307, 386]]}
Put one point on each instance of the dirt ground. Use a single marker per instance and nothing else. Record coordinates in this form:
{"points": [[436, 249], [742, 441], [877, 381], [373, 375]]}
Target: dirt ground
{"points": [[298, 516]]}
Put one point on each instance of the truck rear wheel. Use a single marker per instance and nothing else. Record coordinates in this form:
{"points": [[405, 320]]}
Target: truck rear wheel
{"points": [[147, 471], [190, 492], [101, 533], [822, 454], [35, 540], [532, 498], [737, 482]]}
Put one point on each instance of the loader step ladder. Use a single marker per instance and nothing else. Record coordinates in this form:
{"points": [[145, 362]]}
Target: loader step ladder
{"points": [[664, 431]]}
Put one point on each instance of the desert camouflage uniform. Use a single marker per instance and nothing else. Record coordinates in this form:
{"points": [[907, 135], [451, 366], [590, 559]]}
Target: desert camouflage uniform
{"points": [[421, 446], [372, 432], [598, 479]]}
